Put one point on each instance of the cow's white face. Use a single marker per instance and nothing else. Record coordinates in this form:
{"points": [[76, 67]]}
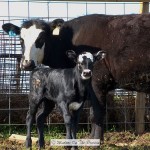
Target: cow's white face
{"points": [[85, 65], [33, 46]]}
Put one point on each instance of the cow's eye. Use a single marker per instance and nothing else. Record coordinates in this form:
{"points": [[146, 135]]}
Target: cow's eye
{"points": [[21, 41], [40, 40]]}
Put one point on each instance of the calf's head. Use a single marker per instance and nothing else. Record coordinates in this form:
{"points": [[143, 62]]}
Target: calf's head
{"points": [[85, 61], [34, 36]]}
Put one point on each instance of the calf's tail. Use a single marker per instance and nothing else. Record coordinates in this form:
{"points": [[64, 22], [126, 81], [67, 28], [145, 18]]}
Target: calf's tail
{"points": [[75, 106]]}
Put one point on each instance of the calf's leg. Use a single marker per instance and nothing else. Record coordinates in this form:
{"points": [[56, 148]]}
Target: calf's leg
{"points": [[74, 125], [29, 122], [44, 111], [67, 120], [35, 98], [75, 119]]}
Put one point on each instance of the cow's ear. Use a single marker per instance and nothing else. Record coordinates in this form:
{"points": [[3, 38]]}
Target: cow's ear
{"points": [[100, 55], [57, 22], [11, 29], [71, 55]]}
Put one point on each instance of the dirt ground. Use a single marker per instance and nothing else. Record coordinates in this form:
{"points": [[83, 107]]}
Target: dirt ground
{"points": [[113, 141]]}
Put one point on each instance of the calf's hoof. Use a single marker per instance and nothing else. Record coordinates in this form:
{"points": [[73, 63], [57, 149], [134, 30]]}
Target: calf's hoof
{"points": [[28, 144], [74, 148], [41, 148], [29, 148]]}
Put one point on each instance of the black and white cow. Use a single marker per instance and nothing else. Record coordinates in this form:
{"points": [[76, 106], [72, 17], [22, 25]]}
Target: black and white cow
{"points": [[67, 88], [35, 38]]}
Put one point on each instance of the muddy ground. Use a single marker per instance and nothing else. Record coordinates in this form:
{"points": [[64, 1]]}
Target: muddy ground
{"points": [[113, 141]]}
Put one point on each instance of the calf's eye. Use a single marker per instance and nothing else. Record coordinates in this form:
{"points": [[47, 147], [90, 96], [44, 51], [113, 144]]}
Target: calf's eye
{"points": [[79, 66]]}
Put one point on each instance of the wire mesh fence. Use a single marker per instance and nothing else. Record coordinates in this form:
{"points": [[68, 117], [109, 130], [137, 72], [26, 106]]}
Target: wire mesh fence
{"points": [[14, 83]]}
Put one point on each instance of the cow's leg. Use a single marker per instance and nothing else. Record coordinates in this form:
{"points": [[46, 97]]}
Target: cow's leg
{"points": [[45, 110], [98, 127], [98, 101], [92, 123]]}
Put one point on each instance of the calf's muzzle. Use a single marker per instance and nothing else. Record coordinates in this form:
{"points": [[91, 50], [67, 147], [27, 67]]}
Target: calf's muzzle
{"points": [[86, 73]]}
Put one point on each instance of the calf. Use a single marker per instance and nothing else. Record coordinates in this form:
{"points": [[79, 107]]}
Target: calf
{"points": [[65, 87]]}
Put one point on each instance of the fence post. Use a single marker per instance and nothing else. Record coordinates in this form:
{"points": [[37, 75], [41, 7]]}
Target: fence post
{"points": [[145, 7], [140, 99], [140, 113]]}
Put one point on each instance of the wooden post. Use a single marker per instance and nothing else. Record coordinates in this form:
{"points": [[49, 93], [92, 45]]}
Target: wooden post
{"points": [[144, 7], [140, 99], [140, 113]]}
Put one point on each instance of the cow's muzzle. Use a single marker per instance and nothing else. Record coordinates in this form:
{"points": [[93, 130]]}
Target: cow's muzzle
{"points": [[27, 65]]}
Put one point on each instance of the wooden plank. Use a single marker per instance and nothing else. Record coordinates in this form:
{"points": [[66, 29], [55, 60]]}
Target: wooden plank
{"points": [[140, 113], [21, 138]]}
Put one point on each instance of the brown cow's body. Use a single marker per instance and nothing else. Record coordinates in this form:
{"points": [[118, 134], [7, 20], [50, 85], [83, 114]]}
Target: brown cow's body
{"points": [[126, 40]]}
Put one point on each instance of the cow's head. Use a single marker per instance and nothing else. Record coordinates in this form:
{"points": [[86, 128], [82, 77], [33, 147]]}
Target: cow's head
{"points": [[34, 37], [85, 62]]}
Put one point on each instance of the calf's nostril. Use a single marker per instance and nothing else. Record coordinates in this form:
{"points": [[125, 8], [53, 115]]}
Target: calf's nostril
{"points": [[84, 73], [87, 73]]}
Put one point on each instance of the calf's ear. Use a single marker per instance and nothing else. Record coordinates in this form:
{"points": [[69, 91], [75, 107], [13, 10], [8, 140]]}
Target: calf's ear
{"points": [[56, 26], [11, 29], [100, 55], [71, 55]]}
